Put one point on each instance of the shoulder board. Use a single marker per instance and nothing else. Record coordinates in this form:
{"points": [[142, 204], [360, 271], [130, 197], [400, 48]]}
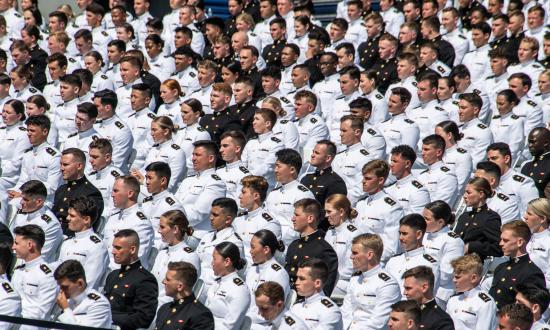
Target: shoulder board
{"points": [[201, 129], [95, 239], [46, 218], [531, 103], [27, 150], [244, 169], [192, 74], [455, 102], [45, 269], [477, 91], [389, 201], [518, 178], [243, 213], [514, 116], [151, 115], [417, 184], [535, 65], [175, 147], [414, 83], [119, 124], [7, 287], [72, 134], [267, 217], [105, 33], [104, 77], [275, 139], [302, 188], [284, 99], [115, 173], [462, 36], [187, 249], [238, 281], [371, 131], [453, 234], [378, 96], [284, 121], [327, 303], [357, 273], [216, 177], [364, 152], [409, 121], [93, 296], [439, 108], [440, 69], [490, 77], [170, 201], [16, 14], [462, 151], [33, 90], [445, 169], [352, 228], [395, 10], [148, 199], [22, 128], [313, 120], [503, 197], [384, 277], [496, 116], [484, 297], [72, 60], [481, 126], [276, 267], [141, 215], [340, 97], [51, 151], [289, 320], [429, 258]]}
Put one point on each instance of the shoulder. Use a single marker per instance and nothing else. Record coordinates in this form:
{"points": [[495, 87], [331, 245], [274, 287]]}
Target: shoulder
{"points": [[417, 184], [141, 215], [429, 258], [238, 282], [384, 277], [453, 234], [51, 151], [389, 201], [503, 197], [327, 303], [45, 269], [518, 178], [484, 297], [482, 126], [119, 124], [302, 188]]}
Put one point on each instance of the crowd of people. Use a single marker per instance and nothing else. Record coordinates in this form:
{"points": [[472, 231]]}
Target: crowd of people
{"points": [[389, 170]]}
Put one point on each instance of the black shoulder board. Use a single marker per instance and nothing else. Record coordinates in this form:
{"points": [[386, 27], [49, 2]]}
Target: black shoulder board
{"points": [[429, 258], [364, 152], [302, 188], [276, 267], [514, 116], [503, 197], [115, 173], [244, 169], [275, 139], [389, 201], [352, 228], [481, 126], [371, 131], [50, 151], [384, 277], [455, 102], [27, 150], [445, 169], [409, 121], [417, 184], [357, 273], [477, 91], [327, 303], [379, 96], [462, 151], [93, 296], [284, 99], [46, 218], [192, 74], [7, 287], [175, 146], [148, 199], [313, 120], [119, 124], [72, 60], [104, 77], [441, 69], [201, 129], [243, 213], [284, 121], [484, 297], [216, 177], [238, 281], [170, 201], [141, 215], [518, 178], [289, 320], [187, 249], [340, 97], [45, 269], [95, 239], [415, 83], [453, 234], [22, 128], [105, 33], [439, 108], [72, 134], [462, 36], [267, 217], [151, 115], [531, 103], [33, 90]]}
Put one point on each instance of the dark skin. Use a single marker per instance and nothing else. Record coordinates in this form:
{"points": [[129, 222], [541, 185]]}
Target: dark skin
{"points": [[539, 141], [327, 69]]}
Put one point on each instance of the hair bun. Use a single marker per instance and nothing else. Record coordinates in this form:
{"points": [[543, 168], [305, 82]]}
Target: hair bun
{"points": [[240, 264]]}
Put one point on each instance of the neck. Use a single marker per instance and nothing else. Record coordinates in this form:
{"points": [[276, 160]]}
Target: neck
{"points": [[308, 231], [183, 294], [129, 204], [254, 207], [32, 256], [426, 298]]}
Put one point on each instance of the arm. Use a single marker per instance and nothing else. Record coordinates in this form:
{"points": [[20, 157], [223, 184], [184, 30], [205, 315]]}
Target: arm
{"points": [[463, 169], [199, 210], [410, 136], [391, 233], [97, 314], [291, 137], [202, 321], [122, 146], [54, 175], [331, 319], [386, 295], [12, 166], [144, 306], [487, 316], [47, 293], [178, 168], [517, 139], [331, 259], [489, 246], [347, 309], [237, 305], [446, 189], [96, 265]]}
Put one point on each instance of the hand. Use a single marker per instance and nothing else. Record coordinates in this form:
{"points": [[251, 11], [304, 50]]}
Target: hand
{"points": [[13, 194], [137, 174], [62, 300]]}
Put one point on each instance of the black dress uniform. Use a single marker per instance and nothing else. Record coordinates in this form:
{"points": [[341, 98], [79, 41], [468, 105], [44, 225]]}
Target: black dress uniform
{"points": [[272, 53], [251, 7], [38, 65], [208, 52], [5, 234], [480, 229], [435, 318], [315, 72], [509, 46], [324, 183], [231, 25], [72, 189], [132, 292], [256, 77], [312, 246], [219, 122], [154, 83], [546, 62], [245, 113], [424, 70], [184, 314], [465, 12], [538, 170], [507, 275], [387, 73], [446, 51], [368, 52]]}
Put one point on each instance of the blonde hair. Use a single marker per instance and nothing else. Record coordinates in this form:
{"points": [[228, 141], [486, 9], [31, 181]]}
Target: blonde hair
{"points": [[341, 201], [372, 242], [247, 18], [540, 206], [468, 263], [275, 103]]}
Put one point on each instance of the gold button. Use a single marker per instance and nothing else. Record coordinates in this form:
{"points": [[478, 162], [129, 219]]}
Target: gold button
{"points": [[116, 286], [168, 322]]}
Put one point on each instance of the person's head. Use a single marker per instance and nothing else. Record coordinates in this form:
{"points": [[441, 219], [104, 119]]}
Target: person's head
{"points": [[535, 17], [30, 34], [427, 87], [411, 10], [537, 214], [206, 72], [106, 102], [28, 241], [437, 215], [284, 7], [367, 82], [125, 192], [130, 68], [429, 28], [173, 227], [270, 296], [277, 28], [411, 231], [13, 112], [349, 80], [433, 148], [338, 209], [448, 130], [445, 88], [231, 146], [94, 14], [418, 284], [515, 317], [498, 60], [83, 41], [520, 83], [477, 191], [307, 214], [407, 63], [5, 81], [387, 46], [461, 76], [263, 121], [253, 192], [263, 246], [323, 154], [213, 28], [302, 25], [180, 279], [408, 33], [405, 315], [318, 40], [125, 247], [141, 96], [70, 87], [220, 97], [533, 297], [428, 53], [304, 103], [311, 276], [351, 129], [33, 196], [366, 251], [243, 90], [528, 49], [57, 21], [204, 155], [514, 237], [100, 153], [73, 162], [401, 161], [38, 128], [361, 107], [467, 272], [500, 154], [187, 15], [494, 7], [375, 173], [226, 259], [345, 52], [222, 47], [517, 21], [162, 128], [499, 25], [271, 78], [71, 278], [86, 114], [480, 34], [183, 58], [538, 141], [300, 75], [287, 165], [81, 213], [57, 65], [223, 212], [268, 8], [119, 16], [157, 177], [289, 54], [399, 100], [230, 72], [21, 76], [490, 171], [469, 106], [544, 77]]}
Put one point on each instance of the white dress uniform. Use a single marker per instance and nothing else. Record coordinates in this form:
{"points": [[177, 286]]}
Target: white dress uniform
{"points": [[197, 43], [202, 94], [121, 139], [172, 110], [399, 129], [280, 203], [409, 84], [515, 184], [228, 300], [340, 239], [14, 143], [286, 86], [338, 109], [539, 252], [196, 193], [259, 156], [476, 138], [156, 205], [427, 116], [51, 93], [348, 164], [505, 205], [232, 174], [410, 194], [130, 218], [531, 112], [188, 80], [440, 67], [460, 163], [451, 106], [399, 264], [250, 222], [139, 123], [185, 137], [101, 81], [82, 140], [124, 92], [380, 214], [23, 94], [544, 99], [89, 308], [286, 131], [485, 112], [495, 84], [284, 321], [373, 140], [262, 31], [64, 119], [104, 181], [286, 103], [473, 310], [367, 304], [174, 253], [140, 27], [41, 163], [113, 73], [379, 107], [393, 19], [441, 182], [444, 246], [460, 44], [311, 128], [162, 66], [477, 62], [319, 312], [87, 248], [327, 90], [14, 22], [38, 289], [10, 301], [531, 68], [357, 32], [171, 154]]}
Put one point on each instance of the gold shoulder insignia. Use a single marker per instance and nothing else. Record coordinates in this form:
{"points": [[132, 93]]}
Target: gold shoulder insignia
{"points": [[187, 249], [389, 201], [216, 177], [175, 147], [7, 287], [119, 124], [45, 269], [352, 228], [302, 188], [46, 218], [289, 320], [384, 277], [484, 297], [238, 281], [417, 184], [518, 178], [453, 234], [327, 303], [429, 258]]}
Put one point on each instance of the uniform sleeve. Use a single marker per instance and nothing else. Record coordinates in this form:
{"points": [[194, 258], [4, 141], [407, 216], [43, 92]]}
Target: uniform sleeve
{"points": [[487, 318], [375, 145], [202, 321], [199, 210], [489, 246], [446, 189], [419, 199], [122, 146], [330, 319], [329, 256], [517, 138], [12, 166], [317, 133], [96, 265], [54, 236], [484, 139], [267, 166], [54, 175], [237, 306], [291, 137], [451, 251], [144, 306], [463, 169], [390, 236], [385, 296], [533, 120], [410, 136], [47, 293], [146, 237], [347, 309], [177, 167], [528, 191], [99, 313]]}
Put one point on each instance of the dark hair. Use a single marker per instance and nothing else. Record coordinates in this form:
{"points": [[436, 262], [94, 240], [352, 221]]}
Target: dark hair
{"points": [[295, 49], [36, 14], [155, 23], [195, 105], [119, 44], [61, 16], [39, 101], [318, 269], [34, 188], [310, 206], [18, 107], [525, 79], [161, 169], [441, 210], [96, 55], [434, 140], [83, 33], [432, 22], [422, 273], [185, 272], [6, 256], [84, 206], [95, 8], [33, 233], [228, 205], [409, 307], [534, 295], [273, 290], [85, 75], [233, 66], [156, 39], [231, 251], [32, 31], [290, 157], [142, 87], [404, 95], [267, 238], [472, 98], [128, 233], [210, 146], [449, 126], [177, 218], [70, 269], [460, 71], [352, 71], [405, 151], [519, 316], [78, 155], [483, 27], [87, 108], [415, 221], [4, 78], [361, 103], [41, 121], [71, 79], [501, 147], [272, 72], [331, 146], [107, 97], [490, 168], [510, 96], [348, 48]]}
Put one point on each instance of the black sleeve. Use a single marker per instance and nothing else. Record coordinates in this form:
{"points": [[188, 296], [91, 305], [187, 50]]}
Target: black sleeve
{"points": [[330, 257], [445, 323], [144, 306], [489, 246], [202, 321], [337, 187]]}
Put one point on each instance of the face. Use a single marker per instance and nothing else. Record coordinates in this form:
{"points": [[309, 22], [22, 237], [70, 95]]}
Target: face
{"points": [[348, 135], [167, 94], [260, 124], [221, 50], [373, 29], [305, 285], [181, 39], [399, 166], [546, 47], [36, 134], [55, 70], [218, 100], [427, 56], [171, 284], [300, 220], [410, 12], [284, 7], [17, 81], [83, 46], [154, 183], [535, 20], [463, 281], [413, 288], [498, 65], [385, 49], [494, 7], [269, 84], [526, 52], [409, 238], [206, 76], [499, 28], [479, 38], [516, 85], [266, 309], [119, 17], [544, 83], [444, 92], [432, 224], [98, 160], [347, 85], [9, 116], [234, 7], [219, 263], [288, 57], [201, 159], [123, 250], [152, 49], [327, 65], [114, 54], [55, 24], [472, 197], [277, 32], [30, 204], [128, 72], [336, 33], [120, 194], [259, 253], [247, 60], [428, 9], [497, 158], [70, 167], [466, 111], [372, 183], [166, 231], [302, 108], [334, 216], [534, 221], [83, 122], [509, 243], [242, 93], [406, 35], [55, 46], [158, 133], [77, 222], [299, 77], [29, 18], [229, 150], [516, 24], [188, 116], [319, 156], [21, 247], [27, 38], [366, 84], [360, 257], [32, 109], [266, 9], [425, 92], [140, 7], [399, 321], [299, 29], [536, 143]]}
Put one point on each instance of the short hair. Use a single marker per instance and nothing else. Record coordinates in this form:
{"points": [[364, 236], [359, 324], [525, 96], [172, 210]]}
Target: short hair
{"points": [[498, 52], [405, 152], [257, 183], [209, 146], [340, 23], [490, 168], [130, 182], [78, 155], [290, 157], [404, 95], [279, 21], [84, 34], [144, 88], [362, 103], [431, 77], [484, 27], [509, 95], [32, 232], [253, 50], [348, 48], [103, 145], [472, 98], [34, 188], [222, 87], [61, 16], [295, 49], [41, 121], [62, 37], [185, 272], [408, 307], [107, 97], [535, 295], [87, 108], [421, 273], [70, 269], [161, 169], [537, 8], [310, 206], [378, 167], [501, 147], [61, 59], [318, 269], [237, 136], [449, 126], [71, 79], [331, 146], [414, 221], [119, 44], [228, 205], [434, 140], [375, 17], [272, 290], [84, 206], [272, 72], [130, 234], [388, 37], [409, 57], [519, 316], [245, 81], [468, 263], [306, 95], [460, 71], [519, 228], [4, 78], [133, 60], [372, 242], [85, 76], [525, 79], [96, 9], [352, 71], [356, 122]]}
